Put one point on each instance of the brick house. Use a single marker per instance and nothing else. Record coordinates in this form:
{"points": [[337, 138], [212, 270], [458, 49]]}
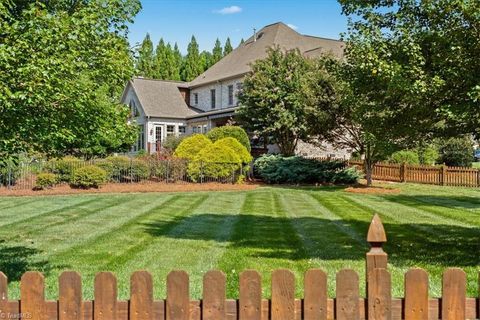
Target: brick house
{"points": [[163, 108]]}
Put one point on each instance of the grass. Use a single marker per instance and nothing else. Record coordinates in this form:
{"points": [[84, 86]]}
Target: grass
{"points": [[267, 228], [476, 165]]}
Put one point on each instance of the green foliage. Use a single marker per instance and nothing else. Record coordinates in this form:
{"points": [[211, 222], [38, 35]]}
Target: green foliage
{"points": [[237, 147], [288, 97], [230, 131], [216, 162], [145, 65], [278, 169], [457, 152], [191, 146], [64, 67], [192, 67], [227, 48], [45, 180], [9, 171], [125, 169], [172, 142], [64, 168], [89, 177], [217, 52], [405, 156], [428, 155]]}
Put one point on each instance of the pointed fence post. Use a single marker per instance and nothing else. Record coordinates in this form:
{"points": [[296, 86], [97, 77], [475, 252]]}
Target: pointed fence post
{"points": [[376, 257]]}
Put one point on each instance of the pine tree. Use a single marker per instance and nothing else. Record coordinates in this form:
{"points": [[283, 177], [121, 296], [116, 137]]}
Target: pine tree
{"points": [[217, 52], [228, 47], [192, 66], [145, 61], [161, 71], [178, 63], [205, 60], [241, 42], [170, 68]]}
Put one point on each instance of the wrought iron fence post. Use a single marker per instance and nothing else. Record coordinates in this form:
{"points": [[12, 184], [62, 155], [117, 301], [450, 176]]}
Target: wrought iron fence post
{"points": [[201, 171], [9, 183], [131, 170], [167, 170]]}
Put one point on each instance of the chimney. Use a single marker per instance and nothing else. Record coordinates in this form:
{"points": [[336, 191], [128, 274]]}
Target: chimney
{"points": [[254, 34]]}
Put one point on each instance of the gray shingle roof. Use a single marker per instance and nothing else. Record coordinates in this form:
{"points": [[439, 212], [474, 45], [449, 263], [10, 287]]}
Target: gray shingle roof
{"points": [[161, 98], [238, 61]]}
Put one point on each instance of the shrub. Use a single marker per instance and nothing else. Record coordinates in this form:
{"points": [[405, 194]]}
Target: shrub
{"points": [[457, 152], [279, 169], [214, 162], [89, 177], [237, 147], [9, 172], [428, 155], [64, 168], [139, 170], [191, 146], [45, 180], [121, 169], [230, 131], [405, 156], [171, 143]]}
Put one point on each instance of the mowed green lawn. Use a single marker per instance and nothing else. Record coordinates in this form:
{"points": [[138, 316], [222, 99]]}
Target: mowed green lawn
{"points": [[267, 228]]}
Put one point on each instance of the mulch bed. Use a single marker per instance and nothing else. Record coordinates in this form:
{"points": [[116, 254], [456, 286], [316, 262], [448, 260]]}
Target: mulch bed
{"points": [[132, 188], [372, 190]]}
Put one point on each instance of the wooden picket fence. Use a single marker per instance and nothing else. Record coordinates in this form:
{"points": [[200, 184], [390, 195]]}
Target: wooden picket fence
{"points": [[347, 305], [437, 175]]}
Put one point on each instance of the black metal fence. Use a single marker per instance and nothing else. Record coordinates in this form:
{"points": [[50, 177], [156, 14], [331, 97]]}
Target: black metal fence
{"points": [[125, 170]]}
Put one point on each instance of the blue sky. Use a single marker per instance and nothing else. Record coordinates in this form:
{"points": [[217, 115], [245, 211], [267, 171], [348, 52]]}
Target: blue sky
{"points": [[178, 20]]}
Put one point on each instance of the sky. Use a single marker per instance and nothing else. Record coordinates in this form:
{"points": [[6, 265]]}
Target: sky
{"points": [[178, 20]]}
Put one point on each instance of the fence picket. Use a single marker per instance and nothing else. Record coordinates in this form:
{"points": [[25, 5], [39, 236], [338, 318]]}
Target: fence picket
{"points": [[105, 293], [416, 295], [283, 295], [379, 295], [178, 296], [347, 300], [3, 295], [141, 296], [214, 296], [70, 304], [453, 294], [250, 295], [32, 295], [315, 300]]}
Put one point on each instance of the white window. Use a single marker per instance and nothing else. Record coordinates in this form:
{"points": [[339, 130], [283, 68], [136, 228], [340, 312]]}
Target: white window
{"points": [[170, 130], [230, 95], [213, 98], [182, 130]]}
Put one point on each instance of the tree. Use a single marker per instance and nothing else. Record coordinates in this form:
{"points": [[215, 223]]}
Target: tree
{"points": [[171, 69], [285, 98], [227, 48], [241, 42], [410, 74], [178, 63], [145, 65], [217, 52], [192, 67], [457, 152], [160, 62], [205, 60], [64, 66]]}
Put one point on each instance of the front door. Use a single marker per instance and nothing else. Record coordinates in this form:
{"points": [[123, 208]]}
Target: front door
{"points": [[157, 137]]}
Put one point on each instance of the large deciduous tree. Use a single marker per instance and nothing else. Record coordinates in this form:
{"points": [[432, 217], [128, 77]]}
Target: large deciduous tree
{"points": [[286, 98], [64, 65]]}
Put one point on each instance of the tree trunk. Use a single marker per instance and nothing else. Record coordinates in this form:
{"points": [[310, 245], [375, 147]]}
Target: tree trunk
{"points": [[368, 172]]}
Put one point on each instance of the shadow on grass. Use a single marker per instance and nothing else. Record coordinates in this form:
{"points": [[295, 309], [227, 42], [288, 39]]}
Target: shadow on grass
{"points": [[265, 236], [449, 201], [16, 260]]}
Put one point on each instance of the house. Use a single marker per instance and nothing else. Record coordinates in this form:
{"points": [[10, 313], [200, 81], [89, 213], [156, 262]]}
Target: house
{"points": [[163, 108]]}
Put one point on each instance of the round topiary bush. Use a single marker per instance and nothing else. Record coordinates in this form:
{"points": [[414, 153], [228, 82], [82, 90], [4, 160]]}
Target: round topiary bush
{"points": [[236, 146], [191, 146], [230, 131], [45, 180], [89, 177], [216, 162]]}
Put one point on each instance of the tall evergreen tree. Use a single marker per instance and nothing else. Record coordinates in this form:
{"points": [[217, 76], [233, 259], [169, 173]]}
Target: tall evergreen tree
{"points": [[160, 68], [241, 42], [217, 53], [228, 47], [170, 68], [192, 67], [206, 60], [178, 63], [145, 61]]}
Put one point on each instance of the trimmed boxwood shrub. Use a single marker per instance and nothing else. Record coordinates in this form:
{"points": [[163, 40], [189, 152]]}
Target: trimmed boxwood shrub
{"points": [[230, 131], [215, 162], [191, 146], [89, 177], [124, 169], [237, 147], [45, 180], [64, 168], [278, 169]]}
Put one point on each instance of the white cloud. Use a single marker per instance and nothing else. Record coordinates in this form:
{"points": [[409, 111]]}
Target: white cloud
{"points": [[229, 10], [294, 27]]}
